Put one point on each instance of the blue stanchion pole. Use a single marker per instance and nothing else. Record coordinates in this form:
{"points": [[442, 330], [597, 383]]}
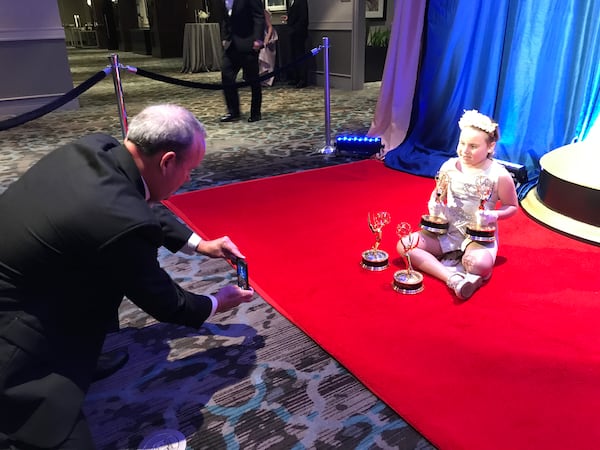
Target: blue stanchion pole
{"points": [[328, 149]]}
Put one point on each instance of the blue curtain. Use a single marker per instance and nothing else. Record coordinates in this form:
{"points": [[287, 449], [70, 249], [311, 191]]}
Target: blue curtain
{"points": [[533, 65]]}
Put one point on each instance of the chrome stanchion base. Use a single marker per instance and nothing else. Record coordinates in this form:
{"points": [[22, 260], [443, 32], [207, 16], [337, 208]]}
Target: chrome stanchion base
{"points": [[327, 150]]}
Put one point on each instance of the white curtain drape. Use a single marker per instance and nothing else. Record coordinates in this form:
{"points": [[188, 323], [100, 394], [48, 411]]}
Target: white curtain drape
{"points": [[392, 112]]}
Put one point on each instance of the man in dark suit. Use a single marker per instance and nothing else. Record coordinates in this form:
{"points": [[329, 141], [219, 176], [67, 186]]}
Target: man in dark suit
{"points": [[79, 233], [242, 33], [297, 20]]}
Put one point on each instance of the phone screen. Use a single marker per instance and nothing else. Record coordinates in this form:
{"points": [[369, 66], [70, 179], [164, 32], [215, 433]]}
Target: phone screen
{"points": [[242, 274]]}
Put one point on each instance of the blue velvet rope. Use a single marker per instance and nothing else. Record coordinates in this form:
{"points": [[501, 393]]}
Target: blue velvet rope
{"points": [[216, 87], [55, 104], [76, 92]]}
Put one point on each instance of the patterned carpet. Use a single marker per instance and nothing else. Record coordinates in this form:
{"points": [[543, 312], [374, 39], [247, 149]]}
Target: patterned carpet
{"points": [[248, 379]]}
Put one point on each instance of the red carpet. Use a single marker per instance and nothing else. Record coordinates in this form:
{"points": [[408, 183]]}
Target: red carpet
{"points": [[517, 366]]}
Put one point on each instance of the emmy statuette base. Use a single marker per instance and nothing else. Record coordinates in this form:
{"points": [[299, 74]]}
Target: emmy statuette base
{"points": [[408, 282], [434, 224], [375, 260], [481, 233]]}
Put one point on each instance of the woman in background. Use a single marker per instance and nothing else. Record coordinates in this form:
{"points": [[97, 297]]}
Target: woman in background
{"points": [[266, 57]]}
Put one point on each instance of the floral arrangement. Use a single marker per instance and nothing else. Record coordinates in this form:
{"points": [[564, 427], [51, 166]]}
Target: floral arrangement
{"points": [[202, 15], [475, 119]]}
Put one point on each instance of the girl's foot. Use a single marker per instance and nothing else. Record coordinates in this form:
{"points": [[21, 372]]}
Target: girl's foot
{"points": [[464, 284]]}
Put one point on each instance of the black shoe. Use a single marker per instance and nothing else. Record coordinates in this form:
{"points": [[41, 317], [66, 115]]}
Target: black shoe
{"points": [[301, 84], [254, 118], [292, 82], [230, 117], [109, 362]]}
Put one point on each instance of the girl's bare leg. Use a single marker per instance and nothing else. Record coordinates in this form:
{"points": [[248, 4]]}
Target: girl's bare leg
{"points": [[478, 260], [424, 256]]}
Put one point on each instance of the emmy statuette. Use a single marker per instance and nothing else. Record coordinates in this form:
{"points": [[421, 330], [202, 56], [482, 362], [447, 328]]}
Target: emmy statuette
{"points": [[375, 259], [407, 281], [436, 222], [481, 230]]}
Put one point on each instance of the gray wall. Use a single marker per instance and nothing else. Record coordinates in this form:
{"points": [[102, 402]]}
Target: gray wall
{"points": [[67, 8], [34, 54], [343, 22]]}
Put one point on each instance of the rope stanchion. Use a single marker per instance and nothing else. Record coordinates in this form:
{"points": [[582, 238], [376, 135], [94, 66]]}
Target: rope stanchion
{"points": [[114, 68], [55, 104], [114, 64], [218, 87], [328, 149]]}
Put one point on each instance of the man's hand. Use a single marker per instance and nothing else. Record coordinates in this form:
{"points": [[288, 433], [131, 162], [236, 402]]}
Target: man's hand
{"points": [[222, 247], [230, 296], [257, 45]]}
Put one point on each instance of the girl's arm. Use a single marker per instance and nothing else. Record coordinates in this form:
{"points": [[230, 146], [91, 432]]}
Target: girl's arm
{"points": [[507, 194]]}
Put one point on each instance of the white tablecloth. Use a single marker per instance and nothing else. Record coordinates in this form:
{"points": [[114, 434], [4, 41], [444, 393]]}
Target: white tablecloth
{"points": [[80, 37], [202, 48]]}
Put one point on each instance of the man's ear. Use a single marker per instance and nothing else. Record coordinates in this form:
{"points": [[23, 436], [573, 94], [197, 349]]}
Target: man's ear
{"points": [[167, 160]]}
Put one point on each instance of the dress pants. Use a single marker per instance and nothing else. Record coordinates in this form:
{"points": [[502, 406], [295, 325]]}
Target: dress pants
{"points": [[41, 390], [298, 48], [233, 61], [80, 438]]}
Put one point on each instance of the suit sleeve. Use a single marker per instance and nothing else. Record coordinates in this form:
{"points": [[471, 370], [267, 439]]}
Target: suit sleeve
{"points": [[225, 22], [258, 16], [175, 233], [131, 263]]}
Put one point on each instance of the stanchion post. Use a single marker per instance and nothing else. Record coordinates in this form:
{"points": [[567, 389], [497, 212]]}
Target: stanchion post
{"points": [[114, 64], [328, 149]]}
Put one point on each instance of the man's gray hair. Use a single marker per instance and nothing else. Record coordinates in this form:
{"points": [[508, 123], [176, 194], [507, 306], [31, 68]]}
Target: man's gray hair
{"points": [[163, 127]]}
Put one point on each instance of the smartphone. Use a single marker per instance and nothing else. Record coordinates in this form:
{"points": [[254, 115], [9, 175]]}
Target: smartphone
{"points": [[242, 273]]}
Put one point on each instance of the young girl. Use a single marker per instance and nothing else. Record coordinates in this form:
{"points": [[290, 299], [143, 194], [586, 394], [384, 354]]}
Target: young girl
{"points": [[475, 150]]}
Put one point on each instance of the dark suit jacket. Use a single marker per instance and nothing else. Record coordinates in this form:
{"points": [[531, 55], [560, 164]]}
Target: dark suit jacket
{"points": [[245, 25], [298, 19], [76, 235]]}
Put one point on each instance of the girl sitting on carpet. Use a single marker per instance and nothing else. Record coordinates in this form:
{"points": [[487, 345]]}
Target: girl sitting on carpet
{"points": [[462, 197]]}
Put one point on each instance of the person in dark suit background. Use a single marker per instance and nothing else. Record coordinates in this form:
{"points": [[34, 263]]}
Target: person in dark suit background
{"points": [[109, 23], [78, 234], [297, 21], [242, 33]]}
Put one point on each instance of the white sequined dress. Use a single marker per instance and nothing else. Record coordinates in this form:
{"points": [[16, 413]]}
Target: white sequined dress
{"points": [[463, 201]]}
